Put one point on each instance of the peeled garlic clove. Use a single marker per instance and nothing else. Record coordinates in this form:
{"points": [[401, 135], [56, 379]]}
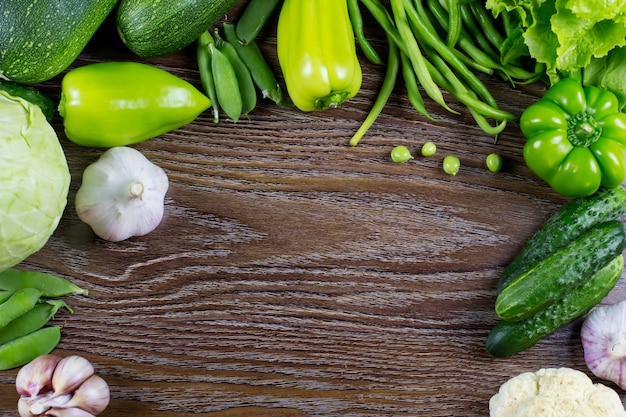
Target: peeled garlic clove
{"points": [[70, 372], [122, 194], [68, 412], [93, 396], [35, 377]]}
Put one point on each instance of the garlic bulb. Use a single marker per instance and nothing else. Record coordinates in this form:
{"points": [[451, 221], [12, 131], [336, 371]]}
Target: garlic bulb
{"points": [[122, 194]]}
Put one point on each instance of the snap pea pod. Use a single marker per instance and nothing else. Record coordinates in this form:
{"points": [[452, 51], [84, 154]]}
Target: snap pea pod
{"points": [[19, 303], [49, 285], [32, 320], [5, 295], [226, 84], [357, 26], [24, 349], [253, 18], [203, 55]]}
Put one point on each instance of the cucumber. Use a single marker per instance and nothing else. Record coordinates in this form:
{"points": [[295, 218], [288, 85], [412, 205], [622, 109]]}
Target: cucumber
{"points": [[549, 279], [508, 338], [41, 38], [569, 222], [158, 28], [31, 95]]}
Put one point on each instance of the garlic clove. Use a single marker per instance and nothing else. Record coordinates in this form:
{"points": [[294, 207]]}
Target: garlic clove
{"points": [[70, 372], [23, 407], [93, 396], [48, 402], [68, 412], [122, 194], [35, 377]]}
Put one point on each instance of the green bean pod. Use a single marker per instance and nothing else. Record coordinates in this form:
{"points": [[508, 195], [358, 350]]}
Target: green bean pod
{"points": [[49, 285], [247, 89], [254, 17], [357, 26], [226, 84], [412, 86], [19, 303], [5, 295], [32, 320], [24, 349], [206, 74], [260, 70]]}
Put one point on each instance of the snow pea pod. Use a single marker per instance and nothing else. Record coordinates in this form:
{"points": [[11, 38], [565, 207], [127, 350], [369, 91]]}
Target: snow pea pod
{"points": [[31, 321], [19, 303], [49, 285], [22, 350]]}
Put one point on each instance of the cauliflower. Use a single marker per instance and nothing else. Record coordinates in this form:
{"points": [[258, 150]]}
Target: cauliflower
{"points": [[555, 392]]}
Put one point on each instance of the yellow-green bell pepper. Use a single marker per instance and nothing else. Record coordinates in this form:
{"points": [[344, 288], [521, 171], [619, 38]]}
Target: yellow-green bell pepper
{"points": [[317, 53]]}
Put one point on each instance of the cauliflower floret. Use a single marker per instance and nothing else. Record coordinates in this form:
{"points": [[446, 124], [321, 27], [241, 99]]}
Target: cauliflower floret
{"points": [[555, 392]]}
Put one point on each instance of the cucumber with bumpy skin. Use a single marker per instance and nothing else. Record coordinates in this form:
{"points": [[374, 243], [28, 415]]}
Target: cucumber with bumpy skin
{"points": [[41, 38], [549, 279], [569, 222], [158, 27], [508, 338]]}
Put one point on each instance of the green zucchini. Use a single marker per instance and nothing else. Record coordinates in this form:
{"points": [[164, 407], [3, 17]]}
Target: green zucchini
{"points": [[508, 338], [41, 38], [549, 279], [158, 28], [569, 222]]}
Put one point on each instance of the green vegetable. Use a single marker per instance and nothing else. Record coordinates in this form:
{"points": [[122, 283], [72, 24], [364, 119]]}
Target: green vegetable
{"points": [[401, 154], [31, 95], [159, 28], [226, 84], [120, 103], [508, 338], [576, 139], [569, 222], [49, 285], [41, 38], [19, 303], [429, 149], [203, 55], [494, 162], [317, 53], [560, 271], [24, 349], [32, 320], [254, 17], [34, 178], [451, 165], [356, 19]]}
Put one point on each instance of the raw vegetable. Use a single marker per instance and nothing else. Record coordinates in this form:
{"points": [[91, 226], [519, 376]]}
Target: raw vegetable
{"points": [[253, 18], [49, 285], [35, 180], [451, 165], [19, 303], [507, 338], [42, 38], [429, 149], [569, 222], [50, 385], [156, 28], [317, 53], [576, 139], [555, 392], [22, 350], [122, 194], [401, 154], [32, 320], [31, 95], [493, 161], [603, 336], [121, 103], [552, 277]]}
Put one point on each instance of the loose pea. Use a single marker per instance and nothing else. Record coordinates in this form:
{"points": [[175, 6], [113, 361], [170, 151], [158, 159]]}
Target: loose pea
{"points": [[24, 349], [451, 165], [494, 162], [429, 149], [19, 303], [401, 154], [50, 286], [31, 321]]}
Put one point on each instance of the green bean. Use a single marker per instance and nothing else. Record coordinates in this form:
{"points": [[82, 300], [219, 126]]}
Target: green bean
{"points": [[415, 55], [357, 26], [49, 285], [19, 303], [260, 70], [24, 349], [206, 74], [454, 22], [486, 23], [381, 15], [254, 17], [475, 31], [389, 82], [247, 88], [226, 84], [32, 320], [412, 87]]}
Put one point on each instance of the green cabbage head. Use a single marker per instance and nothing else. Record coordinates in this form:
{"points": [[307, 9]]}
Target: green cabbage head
{"points": [[34, 180]]}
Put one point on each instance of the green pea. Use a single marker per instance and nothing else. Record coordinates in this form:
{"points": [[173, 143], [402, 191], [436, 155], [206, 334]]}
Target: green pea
{"points": [[429, 149], [451, 165], [401, 154], [49, 285], [19, 303], [494, 162], [24, 349], [32, 320]]}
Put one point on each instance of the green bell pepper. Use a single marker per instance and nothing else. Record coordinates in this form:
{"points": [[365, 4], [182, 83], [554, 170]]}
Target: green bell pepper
{"points": [[121, 103], [576, 138], [317, 53]]}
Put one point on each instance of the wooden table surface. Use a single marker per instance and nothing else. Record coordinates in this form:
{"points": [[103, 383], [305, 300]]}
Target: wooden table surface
{"points": [[294, 275]]}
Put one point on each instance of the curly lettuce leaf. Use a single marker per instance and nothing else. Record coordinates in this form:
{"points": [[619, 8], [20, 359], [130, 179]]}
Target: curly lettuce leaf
{"points": [[608, 73]]}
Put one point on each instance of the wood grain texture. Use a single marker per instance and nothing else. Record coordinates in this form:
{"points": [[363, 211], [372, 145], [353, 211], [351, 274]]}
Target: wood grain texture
{"points": [[296, 276]]}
